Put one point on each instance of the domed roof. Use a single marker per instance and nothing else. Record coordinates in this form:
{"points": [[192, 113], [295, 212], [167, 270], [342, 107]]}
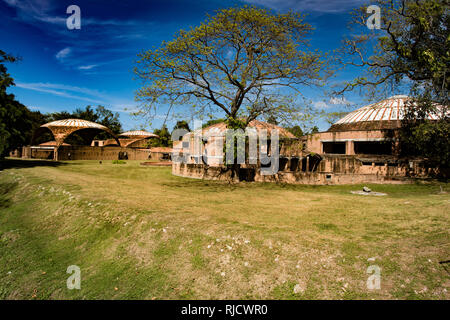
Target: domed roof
{"points": [[61, 129], [138, 134], [385, 114], [219, 128], [75, 123], [52, 144]]}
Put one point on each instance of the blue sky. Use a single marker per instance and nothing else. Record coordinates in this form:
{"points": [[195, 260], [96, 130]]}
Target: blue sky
{"points": [[65, 69]]}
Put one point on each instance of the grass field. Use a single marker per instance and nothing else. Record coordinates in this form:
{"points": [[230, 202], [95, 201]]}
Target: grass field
{"points": [[141, 233]]}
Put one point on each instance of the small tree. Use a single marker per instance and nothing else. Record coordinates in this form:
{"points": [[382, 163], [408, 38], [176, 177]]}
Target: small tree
{"points": [[181, 124], [164, 139], [296, 131], [243, 62]]}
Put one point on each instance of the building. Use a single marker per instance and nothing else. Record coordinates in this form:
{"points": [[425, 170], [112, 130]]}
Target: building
{"points": [[361, 147], [132, 145], [364, 131]]}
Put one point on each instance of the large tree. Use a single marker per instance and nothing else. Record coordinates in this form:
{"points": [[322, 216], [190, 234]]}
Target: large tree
{"points": [[15, 118], [411, 47], [410, 51], [243, 63]]}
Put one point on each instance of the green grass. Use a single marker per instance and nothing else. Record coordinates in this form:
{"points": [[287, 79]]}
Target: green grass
{"points": [[118, 162], [140, 233]]}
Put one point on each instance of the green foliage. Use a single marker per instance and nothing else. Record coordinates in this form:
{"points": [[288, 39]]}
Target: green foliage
{"points": [[314, 129], [413, 44], [164, 140], [272, 120], [332, 117], [420, 136], [411, 47], [211, 122], [15, 119], [181, 124], [295, 130], [118, 162], [99, 115], [231, 63]]}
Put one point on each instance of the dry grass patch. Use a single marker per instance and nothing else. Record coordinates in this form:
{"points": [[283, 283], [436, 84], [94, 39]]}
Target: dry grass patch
{"points": [[154, 235]]}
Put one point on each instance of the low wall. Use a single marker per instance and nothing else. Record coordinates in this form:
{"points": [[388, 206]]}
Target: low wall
{"points": [[198, 171], [87, 153]]}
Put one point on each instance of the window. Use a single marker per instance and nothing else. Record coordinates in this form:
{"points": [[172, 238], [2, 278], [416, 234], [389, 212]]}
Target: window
{"points": [[373, 147], [334, 147]]}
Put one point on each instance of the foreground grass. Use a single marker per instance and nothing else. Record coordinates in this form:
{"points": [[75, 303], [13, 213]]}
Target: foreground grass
{"points": [[139, 232]]}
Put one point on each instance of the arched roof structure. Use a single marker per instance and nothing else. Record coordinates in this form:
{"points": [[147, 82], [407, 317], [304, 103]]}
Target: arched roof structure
{"points": [[138, 134], [385, 114], [61, 129], [219, 128]]}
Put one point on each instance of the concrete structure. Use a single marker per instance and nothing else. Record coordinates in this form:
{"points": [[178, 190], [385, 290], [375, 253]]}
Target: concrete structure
{"points": [[61, 129], [356, 149], [131, 145], [364, 131], [161, 153]]}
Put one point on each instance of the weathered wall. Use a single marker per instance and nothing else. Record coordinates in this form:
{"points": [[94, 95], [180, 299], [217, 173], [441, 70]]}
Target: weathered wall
{"points": [[314, 141], [331, 170], [160, 156], [87, 153], [101, 153]]}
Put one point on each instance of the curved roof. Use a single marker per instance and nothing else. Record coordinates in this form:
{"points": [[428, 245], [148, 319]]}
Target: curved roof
{"points": [[61, 129], [52, 144], [218, 128], [75, 123], [385, 114], [138, 134]]}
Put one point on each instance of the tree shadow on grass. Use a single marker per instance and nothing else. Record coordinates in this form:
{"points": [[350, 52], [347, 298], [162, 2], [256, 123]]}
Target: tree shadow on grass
{"points": [[5, 189], [23, 163]]}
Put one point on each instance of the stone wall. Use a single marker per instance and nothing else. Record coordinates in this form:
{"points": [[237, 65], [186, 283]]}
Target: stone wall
{"points": [[334, 169], [314, 141], [87, 153]]}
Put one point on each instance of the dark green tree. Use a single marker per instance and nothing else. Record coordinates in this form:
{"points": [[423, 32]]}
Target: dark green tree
{"points": [[212, 121], [314, 129], [295, 130], [410, 51], [99, 115], [272, 119], [15, 118], [181, 124], [164, 140]]}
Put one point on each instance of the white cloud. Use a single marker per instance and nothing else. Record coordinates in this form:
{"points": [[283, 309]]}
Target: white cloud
{"points": [[56, 90], [41, 10], [88, 67], [320, 105], [81, 94], [309, 5], [62, 54], [339, 101]]}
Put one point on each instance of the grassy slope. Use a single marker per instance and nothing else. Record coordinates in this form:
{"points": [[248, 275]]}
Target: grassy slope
{"points": [[139, 232]]}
